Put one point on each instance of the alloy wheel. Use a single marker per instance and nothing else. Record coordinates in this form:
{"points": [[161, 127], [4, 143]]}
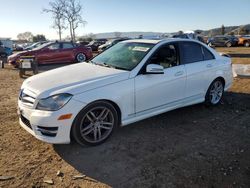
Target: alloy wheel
{"points": [[97, 124], [216, 92], [80, 57]]}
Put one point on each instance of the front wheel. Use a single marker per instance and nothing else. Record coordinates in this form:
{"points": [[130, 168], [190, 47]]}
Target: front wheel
{"points": [[81, 57], [215, 92], [95, 123], [229, 44]]}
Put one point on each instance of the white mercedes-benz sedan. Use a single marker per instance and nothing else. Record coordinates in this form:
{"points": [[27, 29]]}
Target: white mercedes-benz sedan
{"points": [[131, 81]]}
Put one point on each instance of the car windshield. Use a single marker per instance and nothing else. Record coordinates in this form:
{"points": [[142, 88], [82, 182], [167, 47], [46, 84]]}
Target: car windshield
{"points": [[92, 42], [125, 56]]}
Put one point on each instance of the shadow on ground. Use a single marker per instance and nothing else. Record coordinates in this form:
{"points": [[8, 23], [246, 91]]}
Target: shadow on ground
{"points": [[239, 55], [196, 146]]}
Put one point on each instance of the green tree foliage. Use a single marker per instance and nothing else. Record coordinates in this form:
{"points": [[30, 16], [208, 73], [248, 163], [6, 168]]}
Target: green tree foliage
{"points": [[39, 38]]}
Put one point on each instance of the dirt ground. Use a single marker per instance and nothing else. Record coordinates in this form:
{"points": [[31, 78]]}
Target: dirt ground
{"points": [[195, 146]]}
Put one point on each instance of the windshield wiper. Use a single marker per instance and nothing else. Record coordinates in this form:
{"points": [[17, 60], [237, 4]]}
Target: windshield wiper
{"points": [[106, 65]]}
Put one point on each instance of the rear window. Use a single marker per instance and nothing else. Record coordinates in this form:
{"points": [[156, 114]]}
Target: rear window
{"points": [[191, 52], [207, 54]]}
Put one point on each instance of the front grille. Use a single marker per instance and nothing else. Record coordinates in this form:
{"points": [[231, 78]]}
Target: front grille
{"points": [[26, 121], [26, 98]]}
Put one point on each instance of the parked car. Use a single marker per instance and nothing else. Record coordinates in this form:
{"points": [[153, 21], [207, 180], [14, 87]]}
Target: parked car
{"points": [[131, 81], [35, 45], [244, 41], [5, 49], [190, 36], [110, 43], [3, 56], [95, 44], [55, 52], [17, 47], [223, 41]]}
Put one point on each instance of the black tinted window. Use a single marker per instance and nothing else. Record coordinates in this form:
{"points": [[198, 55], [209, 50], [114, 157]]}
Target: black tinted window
{"points": [[191, 52], [207, 54], [67, 45]]}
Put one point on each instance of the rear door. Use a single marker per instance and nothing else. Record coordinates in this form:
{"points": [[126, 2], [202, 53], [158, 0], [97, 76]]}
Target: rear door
{"points": [[199, 64], [67, 52], [219, 41]]}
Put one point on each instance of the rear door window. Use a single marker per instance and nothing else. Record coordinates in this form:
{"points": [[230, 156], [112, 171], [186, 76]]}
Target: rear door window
{"points": [[207, 54], [67, 45], [191, 52]]}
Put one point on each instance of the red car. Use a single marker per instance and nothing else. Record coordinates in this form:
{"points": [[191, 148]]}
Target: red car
{"points": [[55, 52]]}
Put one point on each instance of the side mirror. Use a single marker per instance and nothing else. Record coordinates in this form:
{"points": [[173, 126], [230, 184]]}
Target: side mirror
{"points": [[154, 69]]}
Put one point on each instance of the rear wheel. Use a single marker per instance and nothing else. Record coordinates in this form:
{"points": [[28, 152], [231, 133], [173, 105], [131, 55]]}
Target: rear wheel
{"points": [[247, 44], [81, 57], [215, 92], [95, 123]]}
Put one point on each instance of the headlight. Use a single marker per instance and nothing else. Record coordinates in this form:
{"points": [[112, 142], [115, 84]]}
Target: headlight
{"points": [[54, 102]]}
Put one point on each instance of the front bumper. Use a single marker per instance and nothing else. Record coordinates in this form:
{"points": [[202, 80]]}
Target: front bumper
{"points": [[45, 126]]}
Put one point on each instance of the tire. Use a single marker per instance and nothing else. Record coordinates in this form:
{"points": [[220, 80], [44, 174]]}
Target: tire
{"points": [[247, 44], [229, 44], [81, 57], [2, 64], [215, 92], [35, 68], [95, 123], [21, 73]]}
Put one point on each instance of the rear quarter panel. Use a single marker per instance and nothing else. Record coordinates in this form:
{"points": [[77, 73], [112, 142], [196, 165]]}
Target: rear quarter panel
{"points": [[224, 70]]}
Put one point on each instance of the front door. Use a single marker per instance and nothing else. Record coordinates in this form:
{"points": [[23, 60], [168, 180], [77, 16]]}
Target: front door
{"points": [[51, 54], [160, 90]]}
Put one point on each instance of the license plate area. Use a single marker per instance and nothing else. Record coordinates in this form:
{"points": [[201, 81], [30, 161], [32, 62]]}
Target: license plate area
{"points": [[26, 64]]}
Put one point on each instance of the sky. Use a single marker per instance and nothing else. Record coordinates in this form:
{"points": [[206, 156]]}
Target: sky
{"points": [[18, 16]]}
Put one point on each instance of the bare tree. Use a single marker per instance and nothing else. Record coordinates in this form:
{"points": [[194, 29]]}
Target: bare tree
{"points": [[57, 9], [72, 13], [25, 36]]}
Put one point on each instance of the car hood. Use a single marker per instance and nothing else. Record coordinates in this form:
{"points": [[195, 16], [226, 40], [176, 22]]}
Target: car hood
{"points": [[73, 79], [18, 54], [104, 45]]}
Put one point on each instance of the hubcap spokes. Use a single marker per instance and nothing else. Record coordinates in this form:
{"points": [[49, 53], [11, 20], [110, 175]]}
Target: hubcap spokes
{"points": [[216, 92], [80, 57], [97, 124]]}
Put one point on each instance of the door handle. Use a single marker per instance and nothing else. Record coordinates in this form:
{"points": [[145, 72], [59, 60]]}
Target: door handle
{"points": [[179, 73], [209, 65]]}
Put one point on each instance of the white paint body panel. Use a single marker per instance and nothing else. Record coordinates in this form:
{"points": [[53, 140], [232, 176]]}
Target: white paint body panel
{"points": [[138, 96]]}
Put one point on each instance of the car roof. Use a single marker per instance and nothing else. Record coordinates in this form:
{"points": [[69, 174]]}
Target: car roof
{"points": [[150, 41]]}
